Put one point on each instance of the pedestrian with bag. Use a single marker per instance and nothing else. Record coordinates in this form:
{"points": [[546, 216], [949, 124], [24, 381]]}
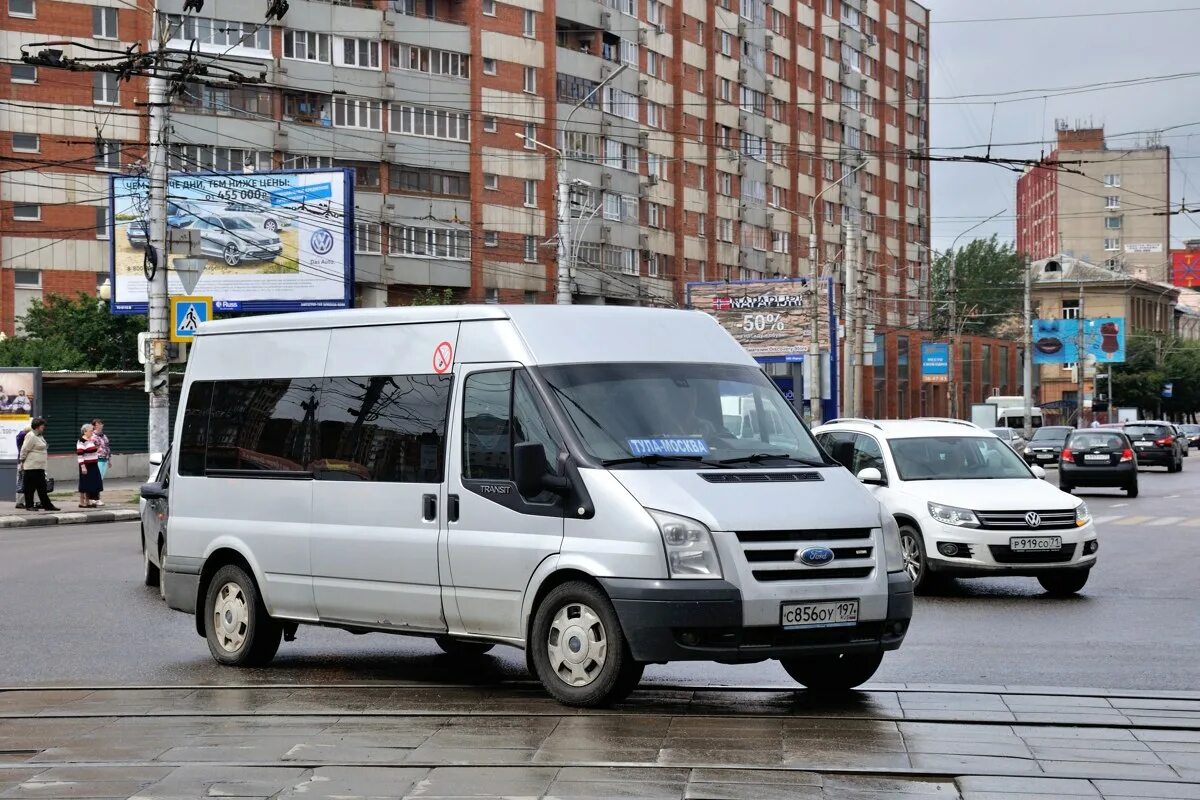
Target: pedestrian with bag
{"points": [[103, 449], [91, 484], [21, 472], [34, 460]]}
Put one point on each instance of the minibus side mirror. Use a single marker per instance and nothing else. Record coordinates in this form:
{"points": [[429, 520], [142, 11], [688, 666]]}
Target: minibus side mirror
{"points": [[872, 476], [1038, 472], [154, 491], [532, 473]]}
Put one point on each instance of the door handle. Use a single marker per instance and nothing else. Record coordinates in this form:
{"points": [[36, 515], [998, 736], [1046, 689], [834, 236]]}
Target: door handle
{"points": [[429, 507], [452, 508]]}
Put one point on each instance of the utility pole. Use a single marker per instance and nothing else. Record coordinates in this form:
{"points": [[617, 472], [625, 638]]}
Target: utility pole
{"points": [[157, 361], [1027, 343], [1081, 364], [565, 253], [860, 329], [850, 294]]}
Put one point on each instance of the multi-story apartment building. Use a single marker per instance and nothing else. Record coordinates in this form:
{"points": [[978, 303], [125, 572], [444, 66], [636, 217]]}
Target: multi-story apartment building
{"points": [[1107, 206], [700, 160]]}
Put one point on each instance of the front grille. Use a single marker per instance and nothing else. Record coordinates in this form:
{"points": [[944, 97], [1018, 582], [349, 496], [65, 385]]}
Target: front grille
{"points": [[1015, 520], [734, 638], [1003, 554], [811, 573], [790, 553], [761, 477], [817, 535]]}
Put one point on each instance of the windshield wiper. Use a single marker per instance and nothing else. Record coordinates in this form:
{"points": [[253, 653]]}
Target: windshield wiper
{"points": [[756, 458], [655, 458]]}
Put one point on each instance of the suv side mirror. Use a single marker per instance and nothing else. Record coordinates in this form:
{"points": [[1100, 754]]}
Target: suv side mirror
{"points": [[532, 473], [156, 459], [871, 475]]}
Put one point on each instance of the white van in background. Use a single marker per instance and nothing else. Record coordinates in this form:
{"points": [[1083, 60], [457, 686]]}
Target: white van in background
{"points": [[556, 479]]}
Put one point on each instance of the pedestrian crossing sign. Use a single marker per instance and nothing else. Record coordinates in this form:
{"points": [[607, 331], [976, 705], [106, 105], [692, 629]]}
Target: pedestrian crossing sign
{"points": [[186, 315]]}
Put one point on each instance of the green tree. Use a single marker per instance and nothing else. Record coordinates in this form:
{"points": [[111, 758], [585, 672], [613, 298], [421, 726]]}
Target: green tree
{"points": [[432, 297], [989, 276], [74, 333], [1151, 361]]}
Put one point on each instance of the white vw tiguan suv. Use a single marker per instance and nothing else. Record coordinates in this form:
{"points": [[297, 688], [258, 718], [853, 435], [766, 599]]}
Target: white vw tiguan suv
{"points": [[967, 505]]}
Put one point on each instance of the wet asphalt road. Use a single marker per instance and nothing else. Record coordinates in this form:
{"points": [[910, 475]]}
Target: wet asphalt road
{"points": [[73, 611]]}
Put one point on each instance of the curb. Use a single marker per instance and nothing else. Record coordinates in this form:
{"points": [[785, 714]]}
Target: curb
{"points": [[69, 518]]}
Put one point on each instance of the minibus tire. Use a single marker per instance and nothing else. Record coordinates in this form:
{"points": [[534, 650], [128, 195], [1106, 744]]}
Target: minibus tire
{"points": [[259, 634], [836, 673], [617, 676], [462, 647]]}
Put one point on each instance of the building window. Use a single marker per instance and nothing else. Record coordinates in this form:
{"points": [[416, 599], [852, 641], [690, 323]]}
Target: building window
{"points": [[366, 175], [104, 23], [101, 222], [531, 298], [358, 53], [489, 66], [489, 8], [1112, 181], [26, 212], [104, 88], [429, 60], [27, 278], [530, 193], [306, 46], [21, 8], [1111, 245], [654, 114], [364, 114], [1112, 223], [24, 73], [224, 34], [26, 143], [724, 230], [424, 180], [491, 239], [489, 125], [726, 44], [530, 23], [431, 123], [1112, 202], [530, 136], [491, 296], [701, 224], [108, 154], [531, 244], [367, 236], [652, 265], [530, 80], [444, 243], [1070, 309], [491, 181]]}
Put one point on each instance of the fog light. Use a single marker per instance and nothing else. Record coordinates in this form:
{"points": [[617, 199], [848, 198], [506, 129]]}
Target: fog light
{"points": [[1091, 547], [687, 637], [948, 549]]}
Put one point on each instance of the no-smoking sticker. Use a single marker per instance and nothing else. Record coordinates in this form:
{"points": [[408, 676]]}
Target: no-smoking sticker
{"points": [[443, 358]]}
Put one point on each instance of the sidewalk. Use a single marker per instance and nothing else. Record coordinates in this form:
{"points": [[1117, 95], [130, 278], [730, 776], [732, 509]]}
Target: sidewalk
{"points": [[120, 504]]}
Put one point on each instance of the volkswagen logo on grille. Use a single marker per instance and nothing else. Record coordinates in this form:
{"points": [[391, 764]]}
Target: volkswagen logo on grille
{"points": [[1033, 519], [814, 556]]}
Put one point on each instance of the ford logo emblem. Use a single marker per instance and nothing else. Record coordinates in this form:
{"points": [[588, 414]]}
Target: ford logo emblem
{"points": [[1033, 519], [814, 556]]}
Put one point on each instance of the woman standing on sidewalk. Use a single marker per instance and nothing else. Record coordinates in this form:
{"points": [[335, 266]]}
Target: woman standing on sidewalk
{"points": [[33, 462], [103, 448], [91, 484]]}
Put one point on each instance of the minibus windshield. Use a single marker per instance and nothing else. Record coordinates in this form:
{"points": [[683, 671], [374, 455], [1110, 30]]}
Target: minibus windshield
{"points": [[671, 416]]}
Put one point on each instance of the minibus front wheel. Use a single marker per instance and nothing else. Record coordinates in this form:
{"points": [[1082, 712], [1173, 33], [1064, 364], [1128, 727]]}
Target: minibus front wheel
{"points": [[239, 630], [578, 649]]}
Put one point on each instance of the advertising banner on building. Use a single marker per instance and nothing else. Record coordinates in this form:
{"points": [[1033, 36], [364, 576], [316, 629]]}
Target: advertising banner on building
{"points": [[1185, 268], [935, 362], [771, 318], [19, 389], [1056, 341], [273, 241]]}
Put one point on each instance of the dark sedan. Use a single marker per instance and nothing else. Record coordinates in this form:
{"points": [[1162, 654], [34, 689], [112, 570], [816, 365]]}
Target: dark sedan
{"points": [[1098, 458], [1046, 444], [1156, 444], [1192, 432]]}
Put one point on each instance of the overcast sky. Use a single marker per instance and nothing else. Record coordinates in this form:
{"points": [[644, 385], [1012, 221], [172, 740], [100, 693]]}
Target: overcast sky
{"points": [[997, 57]]}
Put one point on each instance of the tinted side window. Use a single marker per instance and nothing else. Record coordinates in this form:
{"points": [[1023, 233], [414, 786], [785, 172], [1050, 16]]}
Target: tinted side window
{"points": [[194, 433], [501, 409], [390, 429], [867, 454], [263, 425]]}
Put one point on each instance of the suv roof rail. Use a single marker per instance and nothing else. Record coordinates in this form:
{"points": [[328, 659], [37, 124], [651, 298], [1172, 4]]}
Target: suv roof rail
{"points": [[951, 420], [864, 421]]}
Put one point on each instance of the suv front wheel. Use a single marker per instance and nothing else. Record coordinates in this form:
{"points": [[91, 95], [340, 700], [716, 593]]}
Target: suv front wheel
{"points": [[912, 547]]}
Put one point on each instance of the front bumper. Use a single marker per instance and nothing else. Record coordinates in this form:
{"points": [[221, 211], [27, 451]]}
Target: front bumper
{"points": [[985, 552], [665, 620], [1042, 457], [1122, 474]]}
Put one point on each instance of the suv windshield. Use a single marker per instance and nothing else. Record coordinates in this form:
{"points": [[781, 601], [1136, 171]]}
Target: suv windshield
{"points": [[951, 458], [1147, 431], [1053, 434], [670, 415]]}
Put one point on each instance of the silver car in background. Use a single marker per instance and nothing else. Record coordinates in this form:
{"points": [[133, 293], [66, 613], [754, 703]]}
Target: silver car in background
{"points": [[234, 240]]}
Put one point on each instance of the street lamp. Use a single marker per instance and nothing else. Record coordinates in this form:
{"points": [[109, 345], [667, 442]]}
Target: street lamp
{"points": [[565, 254], [814, 352], [953, 290], [104, 292]]}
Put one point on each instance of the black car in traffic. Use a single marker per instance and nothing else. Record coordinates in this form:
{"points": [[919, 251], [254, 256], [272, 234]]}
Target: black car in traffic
{"points": [[1157, 444], [1192, 432], [1046, 444], [1098, 458]]}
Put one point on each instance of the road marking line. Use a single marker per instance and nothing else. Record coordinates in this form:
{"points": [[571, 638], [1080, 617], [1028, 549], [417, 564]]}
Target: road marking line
{"points": [[1168, 521], [1194, 522], [1134, 520], [1105, 520]]}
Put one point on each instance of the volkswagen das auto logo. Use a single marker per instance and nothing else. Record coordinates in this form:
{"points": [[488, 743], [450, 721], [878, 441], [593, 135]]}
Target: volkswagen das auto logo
{"points": [[1033, 519], [814, 556], [321, 241]]}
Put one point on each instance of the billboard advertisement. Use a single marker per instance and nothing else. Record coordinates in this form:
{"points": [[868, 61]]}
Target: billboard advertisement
{"points": [[19, 388], [1056, 341], [273, 241], [935, 362], [1185, 268], [770, 318]]}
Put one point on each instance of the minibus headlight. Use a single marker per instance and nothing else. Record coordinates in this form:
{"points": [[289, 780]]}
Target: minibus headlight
{"points": [[691, 552], [893, 555]]}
